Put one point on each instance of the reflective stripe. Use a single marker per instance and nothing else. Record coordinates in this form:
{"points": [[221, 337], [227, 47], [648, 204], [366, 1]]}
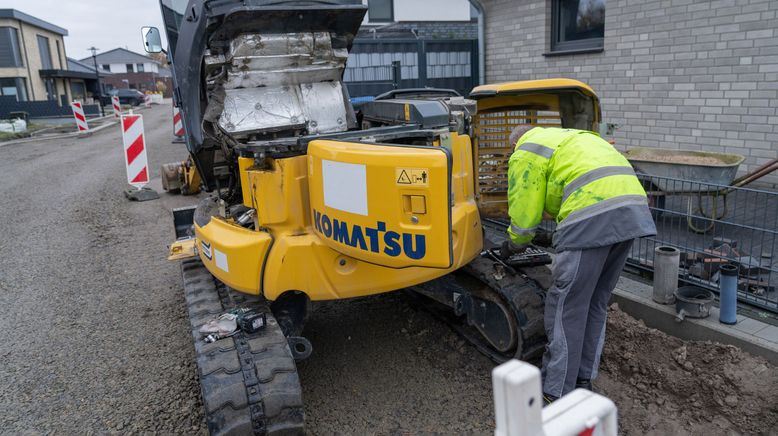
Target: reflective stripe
{"points": [[521, 230], [596, 174], [602, 206], [540, 150]]}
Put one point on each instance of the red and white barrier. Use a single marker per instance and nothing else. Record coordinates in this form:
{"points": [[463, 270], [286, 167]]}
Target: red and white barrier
{"points": [[135, 159], [519, 411], [78, 114], [117, 107], [147, 101], [178, 123]]}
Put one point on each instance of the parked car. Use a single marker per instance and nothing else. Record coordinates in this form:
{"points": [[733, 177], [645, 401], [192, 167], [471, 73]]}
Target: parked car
{"points": [[132, 97]]}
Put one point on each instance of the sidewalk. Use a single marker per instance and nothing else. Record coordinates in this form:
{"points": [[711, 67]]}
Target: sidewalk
{"points": [[750, 333]]}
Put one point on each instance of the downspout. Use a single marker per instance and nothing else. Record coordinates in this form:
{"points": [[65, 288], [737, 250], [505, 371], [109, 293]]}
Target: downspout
{"points": [[481, 40]]}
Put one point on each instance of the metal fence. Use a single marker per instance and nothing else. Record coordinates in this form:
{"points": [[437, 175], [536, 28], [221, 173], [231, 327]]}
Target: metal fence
{"points": [[714, 225]]}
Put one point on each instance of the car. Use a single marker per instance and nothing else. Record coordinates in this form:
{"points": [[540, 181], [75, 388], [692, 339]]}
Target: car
{"points": [[132, 97]]}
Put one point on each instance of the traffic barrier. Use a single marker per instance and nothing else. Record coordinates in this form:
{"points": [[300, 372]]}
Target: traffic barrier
{"points": [[519, 411], [135, 159], [178, 125], [78, 114], [117, 107], [147, 101]]}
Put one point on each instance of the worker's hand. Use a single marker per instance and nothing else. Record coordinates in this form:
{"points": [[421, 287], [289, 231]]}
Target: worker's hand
{"points": [[508, 249], [543, 239]]}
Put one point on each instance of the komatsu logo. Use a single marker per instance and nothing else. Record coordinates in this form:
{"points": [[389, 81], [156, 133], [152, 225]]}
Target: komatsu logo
{"points": [[375, 239]]}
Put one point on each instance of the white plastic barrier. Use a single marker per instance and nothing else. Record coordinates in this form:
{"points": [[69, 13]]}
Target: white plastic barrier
{"points": [[519, 411]]}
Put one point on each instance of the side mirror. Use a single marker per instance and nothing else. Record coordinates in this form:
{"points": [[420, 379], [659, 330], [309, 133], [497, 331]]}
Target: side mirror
{"points": [[152, 40]]}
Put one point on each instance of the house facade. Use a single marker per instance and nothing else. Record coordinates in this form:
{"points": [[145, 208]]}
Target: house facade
{"points": [[28, 47], [680, 74], [131, 70]]}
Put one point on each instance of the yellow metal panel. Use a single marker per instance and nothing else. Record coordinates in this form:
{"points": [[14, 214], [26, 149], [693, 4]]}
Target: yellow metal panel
{"points": [[529, 86], [184, 249], [356, 198], [235, 255]]}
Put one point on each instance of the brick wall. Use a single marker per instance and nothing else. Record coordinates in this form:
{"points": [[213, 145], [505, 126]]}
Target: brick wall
{"points": [[699, 75]]}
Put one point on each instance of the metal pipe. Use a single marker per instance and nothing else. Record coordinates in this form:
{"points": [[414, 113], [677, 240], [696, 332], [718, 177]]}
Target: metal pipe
{"points": [[666, 260], [728, 294], [756, 174], [481, 40]]}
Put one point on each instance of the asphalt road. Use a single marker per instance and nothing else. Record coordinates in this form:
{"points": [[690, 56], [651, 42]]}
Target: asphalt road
{"points": [[94, 327]]}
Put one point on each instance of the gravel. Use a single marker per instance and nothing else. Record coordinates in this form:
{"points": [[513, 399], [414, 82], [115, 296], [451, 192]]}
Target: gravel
{"points": [[97, 341]]}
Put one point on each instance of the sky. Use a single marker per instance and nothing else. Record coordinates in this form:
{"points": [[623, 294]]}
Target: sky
{"points": [[105, 24]]}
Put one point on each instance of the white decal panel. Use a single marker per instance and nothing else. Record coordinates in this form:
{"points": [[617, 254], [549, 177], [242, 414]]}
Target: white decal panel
{"points": [[345, 186]]}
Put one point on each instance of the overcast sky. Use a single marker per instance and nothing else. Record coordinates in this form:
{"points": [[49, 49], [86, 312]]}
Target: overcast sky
{"points": [[105, 24]]}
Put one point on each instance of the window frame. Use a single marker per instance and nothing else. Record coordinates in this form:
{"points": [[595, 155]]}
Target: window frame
{"points": [[589, 45], [20, 83], [41, 38], [130, 68], [15, 43], [106, 67], [140, 68], [381, 20]]}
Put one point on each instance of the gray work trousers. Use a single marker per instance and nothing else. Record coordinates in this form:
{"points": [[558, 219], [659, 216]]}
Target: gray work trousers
{"points": [[575, 314]]}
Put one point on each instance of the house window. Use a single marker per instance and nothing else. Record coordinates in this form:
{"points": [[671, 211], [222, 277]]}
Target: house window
{"points": [[51, 89], [10, 52], [106, 67], [380, 10], [577, 25], [45, 51], [130, 68], [14, 87], [140, 68]]}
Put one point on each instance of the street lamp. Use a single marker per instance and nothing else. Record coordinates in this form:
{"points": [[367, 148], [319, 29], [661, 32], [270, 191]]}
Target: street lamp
{"points": [[94, 49]]}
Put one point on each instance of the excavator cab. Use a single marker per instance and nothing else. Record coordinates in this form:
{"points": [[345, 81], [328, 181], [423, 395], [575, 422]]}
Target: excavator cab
{"points": [[563, 103]]}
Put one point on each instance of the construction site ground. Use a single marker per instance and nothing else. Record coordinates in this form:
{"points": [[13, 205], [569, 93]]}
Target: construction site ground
{"points": [[96, 338]]}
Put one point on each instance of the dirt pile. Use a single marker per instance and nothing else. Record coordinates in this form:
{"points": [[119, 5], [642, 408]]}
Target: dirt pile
{"points": [[664, 385]]}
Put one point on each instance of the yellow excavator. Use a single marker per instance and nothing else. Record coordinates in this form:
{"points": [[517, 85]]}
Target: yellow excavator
{"points": [[313, 201]]}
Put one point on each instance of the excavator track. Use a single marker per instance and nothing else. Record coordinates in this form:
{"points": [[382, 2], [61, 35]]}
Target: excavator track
{"points": [[520, 291], [249, 382]]}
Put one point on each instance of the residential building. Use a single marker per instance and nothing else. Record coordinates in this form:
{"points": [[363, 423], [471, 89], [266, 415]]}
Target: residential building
{"points": [[681, 74], [30, 46], [83, 82], [131, 70]]}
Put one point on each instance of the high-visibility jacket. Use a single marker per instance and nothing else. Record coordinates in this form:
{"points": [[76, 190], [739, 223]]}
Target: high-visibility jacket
{"points": [[580, 180]]}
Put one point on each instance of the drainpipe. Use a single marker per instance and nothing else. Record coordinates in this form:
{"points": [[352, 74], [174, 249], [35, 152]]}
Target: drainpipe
{"points": [[481, 41]]}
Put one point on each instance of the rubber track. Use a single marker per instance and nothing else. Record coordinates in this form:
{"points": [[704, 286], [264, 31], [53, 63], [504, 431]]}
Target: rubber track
{"points": [[249, 383]]}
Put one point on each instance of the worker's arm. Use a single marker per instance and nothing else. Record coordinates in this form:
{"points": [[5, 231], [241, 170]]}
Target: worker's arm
{"points": [[526, 193]]}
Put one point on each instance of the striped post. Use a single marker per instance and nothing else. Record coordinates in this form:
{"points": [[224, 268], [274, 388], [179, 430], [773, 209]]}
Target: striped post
{"points": [[78, 114], [135, 159], [117, 107], [178, 125]]}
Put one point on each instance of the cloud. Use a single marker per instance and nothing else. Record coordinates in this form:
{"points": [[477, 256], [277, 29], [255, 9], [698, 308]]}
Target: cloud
{"points": [[105, 24]]}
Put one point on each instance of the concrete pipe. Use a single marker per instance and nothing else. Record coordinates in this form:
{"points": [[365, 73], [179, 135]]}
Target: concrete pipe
{"points": [[666, 261]]}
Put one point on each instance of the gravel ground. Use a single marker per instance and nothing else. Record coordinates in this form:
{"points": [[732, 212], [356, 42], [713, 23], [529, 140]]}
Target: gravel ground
{"points": [[96, 339]]}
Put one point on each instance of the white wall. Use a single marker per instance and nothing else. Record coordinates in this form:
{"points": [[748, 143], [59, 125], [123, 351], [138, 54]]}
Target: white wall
{"points": [[148, 67], [428, 10]]}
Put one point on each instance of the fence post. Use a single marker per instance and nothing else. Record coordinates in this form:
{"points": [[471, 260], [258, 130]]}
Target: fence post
{"points": [[396, 74]]}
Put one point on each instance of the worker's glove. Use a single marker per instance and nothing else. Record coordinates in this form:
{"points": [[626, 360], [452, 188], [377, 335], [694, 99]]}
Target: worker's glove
{"points": [[543, 239], [509, 249]]}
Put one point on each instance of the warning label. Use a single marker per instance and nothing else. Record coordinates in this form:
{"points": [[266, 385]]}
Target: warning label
{"points": [[413, 176]]}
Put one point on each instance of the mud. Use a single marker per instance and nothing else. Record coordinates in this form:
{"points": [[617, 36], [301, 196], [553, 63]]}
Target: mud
{"points": [[663, 385]]}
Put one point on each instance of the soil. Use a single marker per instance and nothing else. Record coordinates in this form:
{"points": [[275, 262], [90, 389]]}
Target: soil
{"points": [[96, 339], [663, 385], [681, 159]]}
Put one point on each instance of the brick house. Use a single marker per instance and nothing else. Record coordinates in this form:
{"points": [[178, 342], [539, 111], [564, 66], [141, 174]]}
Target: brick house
{"points": [[132, 70], [683, 74]]}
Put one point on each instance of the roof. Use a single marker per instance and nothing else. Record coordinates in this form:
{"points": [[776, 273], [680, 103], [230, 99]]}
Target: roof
{"points": [[509, 88], [29, 19], [119, 56], [85, 67]]}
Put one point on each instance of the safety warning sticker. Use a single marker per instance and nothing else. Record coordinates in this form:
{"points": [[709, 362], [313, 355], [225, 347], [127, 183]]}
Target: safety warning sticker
{"points": [[413, 176]]}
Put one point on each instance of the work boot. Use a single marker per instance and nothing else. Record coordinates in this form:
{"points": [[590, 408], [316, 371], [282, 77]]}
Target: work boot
{"points": [[548, 399], [583, 383]]}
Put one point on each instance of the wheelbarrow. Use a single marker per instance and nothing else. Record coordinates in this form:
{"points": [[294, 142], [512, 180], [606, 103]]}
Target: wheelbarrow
{"points": [[701, 174]]}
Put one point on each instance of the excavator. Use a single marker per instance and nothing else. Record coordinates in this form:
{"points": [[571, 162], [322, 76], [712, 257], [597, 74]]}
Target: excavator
{"points": [[310, 200]]}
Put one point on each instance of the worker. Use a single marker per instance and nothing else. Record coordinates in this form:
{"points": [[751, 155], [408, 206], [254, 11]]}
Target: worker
{"points": [[600, 207]]}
